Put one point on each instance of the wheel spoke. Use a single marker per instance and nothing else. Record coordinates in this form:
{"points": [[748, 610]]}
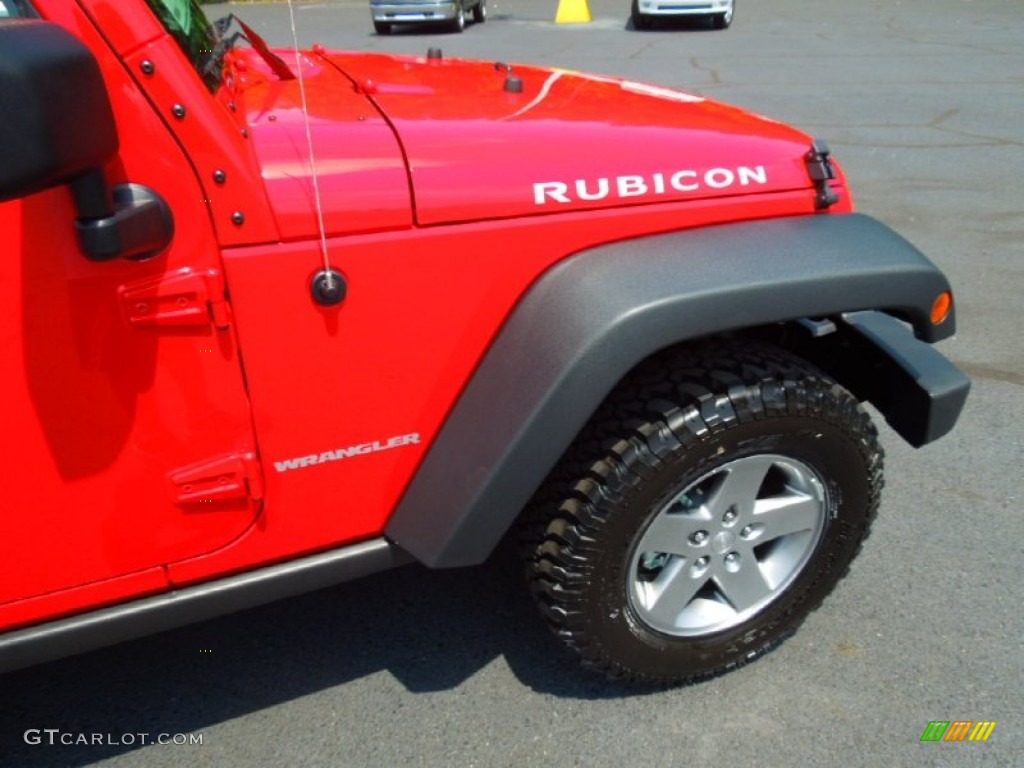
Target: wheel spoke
{"points": [[671, 592], [739, 486], [785, 515], [744, 587], [671, 533]]}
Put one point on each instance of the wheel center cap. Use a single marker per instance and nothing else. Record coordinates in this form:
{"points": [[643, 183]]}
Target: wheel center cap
{"points": [[722, 542]]}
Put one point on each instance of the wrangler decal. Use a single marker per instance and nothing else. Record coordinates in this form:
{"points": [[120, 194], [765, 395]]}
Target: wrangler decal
{"points": [[301, 462]]}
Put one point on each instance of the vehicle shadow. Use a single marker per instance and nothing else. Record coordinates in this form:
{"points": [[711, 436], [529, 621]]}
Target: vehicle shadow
{"points": [[431, 630], [673, 24]]}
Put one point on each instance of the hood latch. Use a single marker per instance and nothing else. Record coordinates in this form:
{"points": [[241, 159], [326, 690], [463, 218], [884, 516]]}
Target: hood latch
{"points": [[821, 171]]}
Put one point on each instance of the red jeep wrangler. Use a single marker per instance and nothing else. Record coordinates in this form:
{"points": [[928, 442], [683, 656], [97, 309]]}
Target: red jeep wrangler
{"points": [[274, 319]]}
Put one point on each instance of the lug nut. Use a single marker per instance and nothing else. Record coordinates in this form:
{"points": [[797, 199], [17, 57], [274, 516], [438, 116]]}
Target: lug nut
{"points": [[699, 537], [747, 531], [732, 558], [729, 516], [703, 561]]}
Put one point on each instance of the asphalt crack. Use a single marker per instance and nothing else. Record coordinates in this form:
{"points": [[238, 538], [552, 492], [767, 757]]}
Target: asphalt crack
{"points": [[716, 78]]}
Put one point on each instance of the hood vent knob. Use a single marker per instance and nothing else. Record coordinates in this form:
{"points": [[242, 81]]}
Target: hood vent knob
{"points": [[513, 84], [434, 53]]}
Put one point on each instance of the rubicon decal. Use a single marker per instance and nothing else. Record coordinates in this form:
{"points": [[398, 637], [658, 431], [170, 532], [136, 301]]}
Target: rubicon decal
{"points": [[668, 183], [338, 454]]}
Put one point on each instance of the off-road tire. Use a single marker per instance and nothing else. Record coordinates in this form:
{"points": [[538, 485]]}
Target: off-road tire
{"points": [[480, 12], [685, 421]]}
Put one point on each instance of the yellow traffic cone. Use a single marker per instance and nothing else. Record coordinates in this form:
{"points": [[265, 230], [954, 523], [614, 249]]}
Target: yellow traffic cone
{"points": [[573, 12]]}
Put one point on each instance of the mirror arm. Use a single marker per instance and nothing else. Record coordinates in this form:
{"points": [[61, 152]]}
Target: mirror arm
{"points": [[129, 221], [92, 195]]}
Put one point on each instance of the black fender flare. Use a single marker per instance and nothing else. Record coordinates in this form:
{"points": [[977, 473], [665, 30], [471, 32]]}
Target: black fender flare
{"points": [[594, 316]]}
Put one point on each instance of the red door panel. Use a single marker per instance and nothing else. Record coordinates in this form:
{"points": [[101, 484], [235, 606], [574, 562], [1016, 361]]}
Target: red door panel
{"points": [[106, 418]]}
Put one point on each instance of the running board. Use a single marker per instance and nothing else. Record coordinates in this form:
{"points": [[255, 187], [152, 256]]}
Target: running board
{"points": [[158, 613]]}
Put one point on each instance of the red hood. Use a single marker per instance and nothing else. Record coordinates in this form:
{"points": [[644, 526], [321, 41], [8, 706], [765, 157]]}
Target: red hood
{"points": [[467, 148], [568, 140]]}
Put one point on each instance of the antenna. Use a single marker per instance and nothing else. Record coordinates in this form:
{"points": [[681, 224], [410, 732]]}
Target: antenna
{"points": [[328, 285]]}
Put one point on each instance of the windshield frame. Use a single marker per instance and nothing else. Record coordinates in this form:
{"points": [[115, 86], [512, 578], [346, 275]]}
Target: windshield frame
{"points": [[195, 34]]}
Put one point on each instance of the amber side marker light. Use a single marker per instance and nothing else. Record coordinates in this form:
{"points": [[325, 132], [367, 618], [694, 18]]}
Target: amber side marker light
{"points": [[941, 306]]}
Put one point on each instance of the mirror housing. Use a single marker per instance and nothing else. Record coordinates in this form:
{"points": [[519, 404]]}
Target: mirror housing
{"points": [[57, 119]]}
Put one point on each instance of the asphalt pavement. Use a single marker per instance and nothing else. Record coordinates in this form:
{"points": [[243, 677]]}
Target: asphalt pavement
{"points": [[923, 103]]}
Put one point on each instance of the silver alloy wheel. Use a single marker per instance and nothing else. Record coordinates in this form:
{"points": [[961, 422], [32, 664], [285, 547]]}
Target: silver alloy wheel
{"points": [[726, 546]]}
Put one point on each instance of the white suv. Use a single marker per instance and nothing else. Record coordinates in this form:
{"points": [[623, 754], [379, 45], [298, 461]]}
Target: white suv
{"points": [[645, 11]]}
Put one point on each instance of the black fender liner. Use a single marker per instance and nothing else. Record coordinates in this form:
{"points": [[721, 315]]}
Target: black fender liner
{"points": [[592, 317]]}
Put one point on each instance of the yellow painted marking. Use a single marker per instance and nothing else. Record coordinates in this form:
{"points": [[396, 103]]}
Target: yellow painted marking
{"points": [[982, 730]]}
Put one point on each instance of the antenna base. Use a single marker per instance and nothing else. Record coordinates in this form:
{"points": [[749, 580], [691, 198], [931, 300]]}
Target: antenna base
{"points": [[328, 287]]}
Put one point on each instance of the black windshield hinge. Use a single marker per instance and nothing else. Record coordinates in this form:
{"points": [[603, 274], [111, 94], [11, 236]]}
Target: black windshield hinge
{"points": [[821, 171]]}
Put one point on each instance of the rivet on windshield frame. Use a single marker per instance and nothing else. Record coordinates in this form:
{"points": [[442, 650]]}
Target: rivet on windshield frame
{"points": [[147, 67], [245, 133], [271, 118], [219, 176], [232, 106], [238, 218], [178, 111]]}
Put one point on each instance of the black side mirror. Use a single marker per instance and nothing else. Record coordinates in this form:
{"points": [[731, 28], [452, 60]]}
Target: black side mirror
{"points": [[58, 128], [57, 121]]}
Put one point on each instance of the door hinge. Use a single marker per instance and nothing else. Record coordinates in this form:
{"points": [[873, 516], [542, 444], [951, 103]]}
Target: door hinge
{"points": [[225, 478], [821, 171], [187, 297]]}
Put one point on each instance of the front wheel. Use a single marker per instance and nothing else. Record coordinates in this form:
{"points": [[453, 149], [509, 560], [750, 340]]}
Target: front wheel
{"points": [[710, 506]]}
